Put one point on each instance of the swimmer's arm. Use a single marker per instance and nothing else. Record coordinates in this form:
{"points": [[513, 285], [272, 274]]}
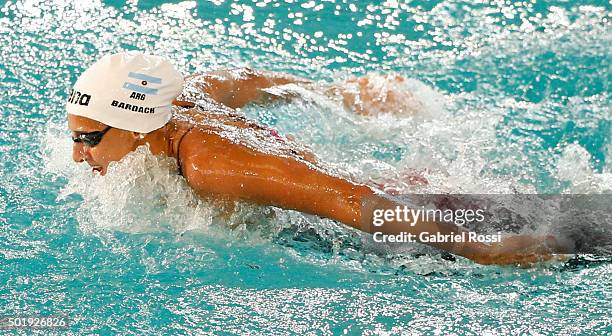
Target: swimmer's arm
{"points": [[236, 88], [213, 166], [239, 87]]}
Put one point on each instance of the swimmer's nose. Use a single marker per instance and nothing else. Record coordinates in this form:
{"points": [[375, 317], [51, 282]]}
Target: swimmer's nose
{"points": [[79, 152]]}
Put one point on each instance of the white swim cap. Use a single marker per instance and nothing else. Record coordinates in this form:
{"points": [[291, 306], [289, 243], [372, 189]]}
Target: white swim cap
{"points": [[128, 90]]}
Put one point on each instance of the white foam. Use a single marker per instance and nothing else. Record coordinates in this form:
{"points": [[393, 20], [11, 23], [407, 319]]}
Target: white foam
{"points": [[574, 166], [414, 98]]}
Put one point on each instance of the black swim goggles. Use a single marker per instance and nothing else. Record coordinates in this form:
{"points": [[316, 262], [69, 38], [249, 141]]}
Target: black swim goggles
{"points": [[91, 138]]}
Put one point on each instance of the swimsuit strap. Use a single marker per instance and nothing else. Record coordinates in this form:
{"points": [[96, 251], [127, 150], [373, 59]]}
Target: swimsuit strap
{"points": [[178, 149]]}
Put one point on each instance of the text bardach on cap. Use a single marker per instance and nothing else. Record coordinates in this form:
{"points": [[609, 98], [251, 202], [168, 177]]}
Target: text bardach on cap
{"points": [[133, 108]]}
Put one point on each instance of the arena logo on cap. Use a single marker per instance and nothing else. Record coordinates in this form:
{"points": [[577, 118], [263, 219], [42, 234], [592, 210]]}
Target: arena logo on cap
{"points": [[143, 82], [79, 98]]}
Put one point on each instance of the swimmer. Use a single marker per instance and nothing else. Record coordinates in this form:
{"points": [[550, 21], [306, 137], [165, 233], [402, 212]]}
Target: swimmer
{"points": [[129, 99]]}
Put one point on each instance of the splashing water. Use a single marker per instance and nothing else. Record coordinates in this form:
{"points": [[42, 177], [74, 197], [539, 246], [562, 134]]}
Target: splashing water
{"points": [[511, 97]]}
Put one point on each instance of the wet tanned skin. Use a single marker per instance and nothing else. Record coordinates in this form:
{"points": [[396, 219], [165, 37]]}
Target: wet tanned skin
{"points": [[115, 144], [214, 165], [219, 168]]}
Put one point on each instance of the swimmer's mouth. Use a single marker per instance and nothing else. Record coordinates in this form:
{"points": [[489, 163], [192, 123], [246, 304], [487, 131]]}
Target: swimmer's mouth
{"points": [[96, 169]]}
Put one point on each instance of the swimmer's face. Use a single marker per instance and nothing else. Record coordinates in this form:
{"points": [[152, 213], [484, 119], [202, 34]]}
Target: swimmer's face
{"points": [[115, 144]]}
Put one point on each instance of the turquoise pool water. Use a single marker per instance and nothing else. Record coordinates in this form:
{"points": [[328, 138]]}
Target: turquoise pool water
{"points": [[517, 98]]}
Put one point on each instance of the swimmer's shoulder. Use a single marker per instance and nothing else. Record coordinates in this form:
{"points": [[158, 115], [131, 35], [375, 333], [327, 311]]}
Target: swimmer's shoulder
{"points": [[204, 88], [199, 147], [209, 162], [194, 93]]}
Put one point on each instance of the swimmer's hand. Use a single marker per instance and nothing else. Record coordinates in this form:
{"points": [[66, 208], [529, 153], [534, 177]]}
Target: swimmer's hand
{"points": [[523, 251], [375, 94]]}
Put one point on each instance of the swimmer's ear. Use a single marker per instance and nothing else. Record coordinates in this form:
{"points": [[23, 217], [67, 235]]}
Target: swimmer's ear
{"points": [[183, 103]]}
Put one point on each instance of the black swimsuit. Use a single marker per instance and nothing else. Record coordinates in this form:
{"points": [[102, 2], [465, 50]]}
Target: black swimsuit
{"points": [[178, 149]]}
